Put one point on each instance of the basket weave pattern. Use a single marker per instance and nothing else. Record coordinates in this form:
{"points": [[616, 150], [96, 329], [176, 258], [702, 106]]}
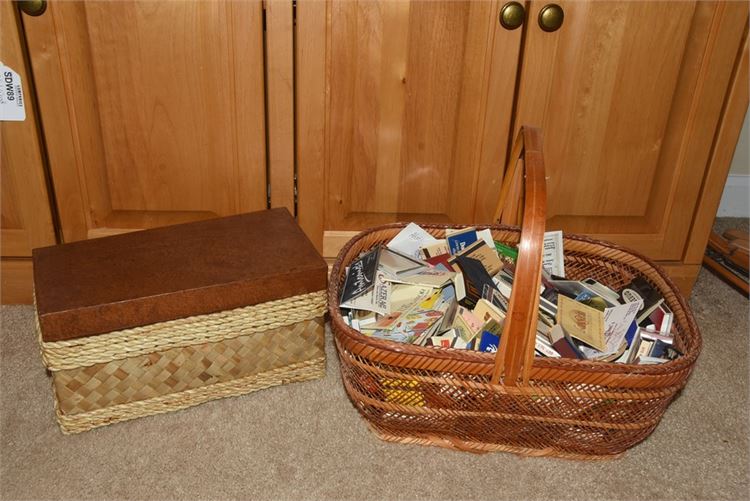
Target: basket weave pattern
{"points": [[176, 364], [571, 408], [86, 351]]}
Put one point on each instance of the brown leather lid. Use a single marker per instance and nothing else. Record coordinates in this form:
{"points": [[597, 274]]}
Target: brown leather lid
{"points": [[140, 278]]}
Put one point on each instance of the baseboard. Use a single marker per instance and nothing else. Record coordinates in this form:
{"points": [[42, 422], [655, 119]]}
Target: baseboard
{"points": [[683, 275], [735, 201], [16, 278]]}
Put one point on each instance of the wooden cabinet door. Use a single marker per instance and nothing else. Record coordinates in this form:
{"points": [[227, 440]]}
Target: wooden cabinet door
{"points": [[25, 215], [153, 111], [629, 95], [403, 113], [26, 220]]}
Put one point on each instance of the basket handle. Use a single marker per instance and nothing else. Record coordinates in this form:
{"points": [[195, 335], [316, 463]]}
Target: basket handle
{"points": [[515, 355]]}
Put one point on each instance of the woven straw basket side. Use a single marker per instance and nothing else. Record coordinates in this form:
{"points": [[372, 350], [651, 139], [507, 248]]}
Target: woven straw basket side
{"points": [[172, 365], [576, 409]]}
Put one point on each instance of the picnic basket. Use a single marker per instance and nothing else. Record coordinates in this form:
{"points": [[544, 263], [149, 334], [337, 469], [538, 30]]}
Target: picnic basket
{"points": [[511, 400]]}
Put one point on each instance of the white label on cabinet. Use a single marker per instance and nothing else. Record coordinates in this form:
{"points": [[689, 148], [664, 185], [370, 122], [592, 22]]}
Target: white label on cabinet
{"points": [[12, 107]]}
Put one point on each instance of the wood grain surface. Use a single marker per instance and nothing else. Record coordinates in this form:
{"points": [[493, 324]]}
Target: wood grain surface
{"points": [[157, 110], [417, 111], [721, 157], [25, 219], [279, 68], [310, 126], [16, 281], [628, 95]]}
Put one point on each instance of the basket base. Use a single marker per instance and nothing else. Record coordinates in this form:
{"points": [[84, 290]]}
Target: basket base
{"points": [[483, 448], [302, 371]]}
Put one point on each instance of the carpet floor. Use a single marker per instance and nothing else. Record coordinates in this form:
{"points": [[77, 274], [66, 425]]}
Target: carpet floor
{"points": [[306, 440]]}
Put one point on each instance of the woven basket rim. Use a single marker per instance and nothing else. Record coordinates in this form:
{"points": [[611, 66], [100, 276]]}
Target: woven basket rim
{"points": [[682, 363]]}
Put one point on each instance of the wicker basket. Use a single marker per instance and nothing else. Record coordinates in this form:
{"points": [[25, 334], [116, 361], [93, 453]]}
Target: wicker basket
{"points": [[512, 401], [168, 366], [158, 320]]}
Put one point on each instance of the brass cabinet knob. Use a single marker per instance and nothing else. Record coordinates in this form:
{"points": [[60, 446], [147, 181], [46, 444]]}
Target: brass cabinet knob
{"points": [[512, 15], [32, 7], [551, 17]]}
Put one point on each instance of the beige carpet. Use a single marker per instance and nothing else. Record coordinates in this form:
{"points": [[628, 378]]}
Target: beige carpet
{"points": [[306, 441]]}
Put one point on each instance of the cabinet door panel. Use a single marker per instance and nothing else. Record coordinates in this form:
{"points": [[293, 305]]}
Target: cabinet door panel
{"points": [[25, 217], [622, 93], [153, 111], [417, 113]]}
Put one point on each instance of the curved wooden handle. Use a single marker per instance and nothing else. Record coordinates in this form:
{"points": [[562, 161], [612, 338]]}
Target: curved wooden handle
{"points": [[516, 351]]}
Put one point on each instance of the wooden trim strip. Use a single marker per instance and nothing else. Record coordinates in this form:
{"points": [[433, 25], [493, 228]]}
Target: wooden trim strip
{"points": [[310, 89], [280, 102], [720, 161]]}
